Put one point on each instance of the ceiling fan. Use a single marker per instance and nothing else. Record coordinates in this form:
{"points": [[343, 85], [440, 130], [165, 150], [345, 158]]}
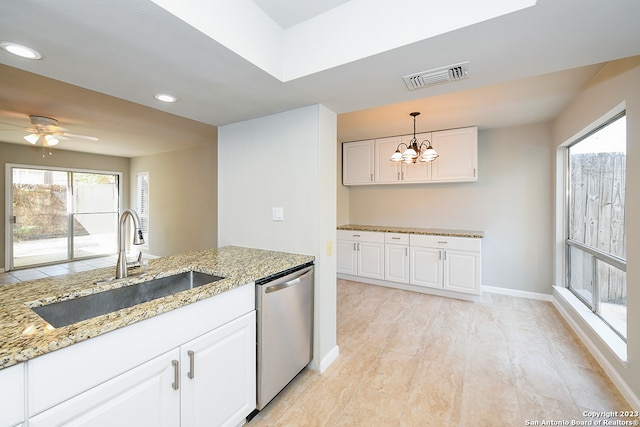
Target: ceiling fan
{"points": [[45, 130]]}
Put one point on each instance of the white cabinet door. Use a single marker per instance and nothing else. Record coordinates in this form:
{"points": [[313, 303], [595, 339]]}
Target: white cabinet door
{"points": [[462, 271], [347, 257], [418, 171], [386, 170], [357, 162], [12, 395], [371, 260], [396, 263], [426, 267], [144, 396], [458, 150], [219, 375]]}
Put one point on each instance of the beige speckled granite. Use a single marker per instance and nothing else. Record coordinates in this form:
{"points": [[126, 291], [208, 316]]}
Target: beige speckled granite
{"points": [[411, 230], [25, 335]]}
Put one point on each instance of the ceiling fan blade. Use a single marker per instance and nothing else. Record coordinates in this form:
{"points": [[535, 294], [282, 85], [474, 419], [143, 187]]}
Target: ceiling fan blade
{"points": [[76, 136], [12, 124]]}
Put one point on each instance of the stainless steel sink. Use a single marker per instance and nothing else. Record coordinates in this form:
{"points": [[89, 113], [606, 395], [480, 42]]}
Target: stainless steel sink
{"points": [[74, 310]]}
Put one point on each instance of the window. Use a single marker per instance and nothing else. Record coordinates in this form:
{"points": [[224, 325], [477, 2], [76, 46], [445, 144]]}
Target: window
{"points": [[596, 245], [142, 190], [61, 215]]}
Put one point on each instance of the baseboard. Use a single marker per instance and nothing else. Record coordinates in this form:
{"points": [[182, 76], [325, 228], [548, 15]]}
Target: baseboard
{"points": [[595, 351], [412, 288], [517, 293], [325, 361]]}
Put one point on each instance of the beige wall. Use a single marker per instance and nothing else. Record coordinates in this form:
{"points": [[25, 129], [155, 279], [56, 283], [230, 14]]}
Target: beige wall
{"points": [[618, 83], [183, 193], [510, 202], [26, 155]]}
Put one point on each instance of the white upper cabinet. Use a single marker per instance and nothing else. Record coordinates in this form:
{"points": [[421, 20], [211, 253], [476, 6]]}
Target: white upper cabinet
{"points": [[367, 162], [386, 170], [458, 150], [357, 162]]}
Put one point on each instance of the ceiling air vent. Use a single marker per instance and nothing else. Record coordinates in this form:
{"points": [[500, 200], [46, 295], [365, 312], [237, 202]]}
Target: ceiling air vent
{"points": [[437, 75]]}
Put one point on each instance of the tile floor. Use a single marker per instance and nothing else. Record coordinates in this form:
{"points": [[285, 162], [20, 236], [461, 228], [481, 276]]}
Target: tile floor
{"points": [[409, 359], [57, 270]]}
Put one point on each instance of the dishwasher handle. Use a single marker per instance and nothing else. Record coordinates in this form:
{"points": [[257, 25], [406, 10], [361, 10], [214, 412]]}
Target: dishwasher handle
{"points": [[279, 286]]}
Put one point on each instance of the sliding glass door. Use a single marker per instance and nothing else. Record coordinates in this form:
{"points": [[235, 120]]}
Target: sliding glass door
{"points": [[61, 215]]}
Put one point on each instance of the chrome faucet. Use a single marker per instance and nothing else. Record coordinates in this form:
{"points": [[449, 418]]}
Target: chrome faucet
{"points": [[138, 239]]}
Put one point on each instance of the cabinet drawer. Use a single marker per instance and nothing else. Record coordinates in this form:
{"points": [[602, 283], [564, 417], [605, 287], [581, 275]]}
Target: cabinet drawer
{"points": [[360, 236], [396, 238], [445, 242]]}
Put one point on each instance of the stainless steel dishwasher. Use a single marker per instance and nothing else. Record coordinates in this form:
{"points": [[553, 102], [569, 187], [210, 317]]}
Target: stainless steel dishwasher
{"points": [[284, 312]]}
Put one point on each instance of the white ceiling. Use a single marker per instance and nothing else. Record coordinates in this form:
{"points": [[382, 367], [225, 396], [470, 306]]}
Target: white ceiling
{"points": [[105, 59]]}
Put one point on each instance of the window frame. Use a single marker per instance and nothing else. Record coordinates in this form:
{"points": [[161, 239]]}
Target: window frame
{"points": [[595, 253], [142, 213]]}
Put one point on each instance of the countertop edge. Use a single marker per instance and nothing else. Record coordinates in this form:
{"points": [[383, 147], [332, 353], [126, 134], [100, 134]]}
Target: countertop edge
{"points": [[414, 230]]}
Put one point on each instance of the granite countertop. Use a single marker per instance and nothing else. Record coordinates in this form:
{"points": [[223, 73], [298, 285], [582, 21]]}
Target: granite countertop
{"points": [[413, 230], [25, 335]]}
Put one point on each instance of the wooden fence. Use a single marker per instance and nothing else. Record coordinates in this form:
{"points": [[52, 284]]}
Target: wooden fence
{"points": [[597, 216]]}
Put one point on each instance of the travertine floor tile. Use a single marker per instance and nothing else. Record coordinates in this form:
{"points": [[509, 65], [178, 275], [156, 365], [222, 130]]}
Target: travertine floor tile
{"points": [[409, 359]]}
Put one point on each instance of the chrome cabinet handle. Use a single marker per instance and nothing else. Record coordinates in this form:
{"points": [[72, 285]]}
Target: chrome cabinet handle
{"points": [[444, 242], [192, 371], [176, 374], [355, 248], [445, 255], [439, 254]]}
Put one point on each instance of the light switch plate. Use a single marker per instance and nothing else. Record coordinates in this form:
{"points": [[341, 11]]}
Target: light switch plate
{"points": [[278, 214]]}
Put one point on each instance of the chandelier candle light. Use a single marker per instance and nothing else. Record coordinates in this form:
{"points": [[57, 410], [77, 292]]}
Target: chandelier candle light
{"points": [[413, 151]]}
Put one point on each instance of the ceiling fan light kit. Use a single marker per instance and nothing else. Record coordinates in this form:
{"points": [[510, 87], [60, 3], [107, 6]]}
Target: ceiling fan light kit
{"points": [[46, 131]]}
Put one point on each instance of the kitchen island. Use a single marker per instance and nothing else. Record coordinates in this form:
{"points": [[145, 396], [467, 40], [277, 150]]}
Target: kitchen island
{"points": [[94, 363]]}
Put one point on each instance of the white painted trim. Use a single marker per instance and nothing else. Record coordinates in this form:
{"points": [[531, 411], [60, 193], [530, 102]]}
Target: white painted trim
{"points": [[517, 293], [560, 302], [326, 361]]}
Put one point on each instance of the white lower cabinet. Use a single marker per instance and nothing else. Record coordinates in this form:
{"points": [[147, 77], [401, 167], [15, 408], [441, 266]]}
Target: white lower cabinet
{"points": [[209, 381], [12, 395], [361, 253], [193, 366], [423, 261], [396, 257], [449, 263], [218, 375], [426, 268], [143, 396]]}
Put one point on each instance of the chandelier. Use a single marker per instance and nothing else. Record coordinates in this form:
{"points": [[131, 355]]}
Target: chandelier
{"points": [[414, 151]]}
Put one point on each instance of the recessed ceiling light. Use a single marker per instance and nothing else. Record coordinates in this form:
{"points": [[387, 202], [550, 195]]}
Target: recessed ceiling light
{"points": [[165, 97], [20, 50]]}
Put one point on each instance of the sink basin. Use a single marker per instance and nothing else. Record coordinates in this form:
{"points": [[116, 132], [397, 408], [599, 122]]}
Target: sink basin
{"points": [[74, 310]]}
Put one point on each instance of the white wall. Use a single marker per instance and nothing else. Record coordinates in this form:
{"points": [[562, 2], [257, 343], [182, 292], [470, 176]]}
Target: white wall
{"points": [[286, 160], [618, 83], [511, 202]]}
